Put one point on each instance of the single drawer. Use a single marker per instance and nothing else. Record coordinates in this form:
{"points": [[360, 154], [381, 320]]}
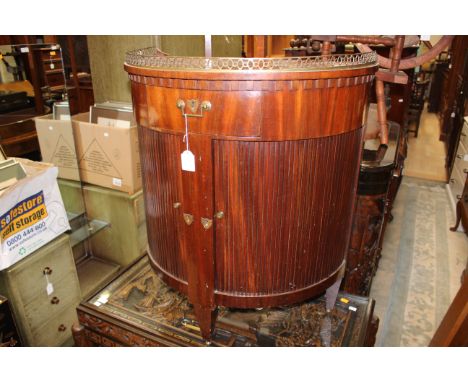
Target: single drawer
{"points": [[28, 276], [457, 182], [54, 78], [43, 307], [50, 54], [461, 164], [464, 137], [56, 331], [461, 160], [232, 113]]}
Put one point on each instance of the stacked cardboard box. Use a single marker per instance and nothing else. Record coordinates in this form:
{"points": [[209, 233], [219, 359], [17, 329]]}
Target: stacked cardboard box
{"points": [[99, 147], [31, 209]]}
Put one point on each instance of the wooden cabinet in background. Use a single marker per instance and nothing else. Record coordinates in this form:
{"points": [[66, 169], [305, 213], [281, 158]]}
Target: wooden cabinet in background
{"points": [[458, 183], [454, 99], [8, 332], [438, 79], [377, 188]]}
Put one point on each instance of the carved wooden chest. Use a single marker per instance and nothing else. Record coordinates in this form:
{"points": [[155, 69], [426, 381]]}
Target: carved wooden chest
{"points": [[138, 309]]}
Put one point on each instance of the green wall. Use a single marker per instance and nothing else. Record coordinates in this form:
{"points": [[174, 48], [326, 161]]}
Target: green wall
{"points": [[107, 56]]}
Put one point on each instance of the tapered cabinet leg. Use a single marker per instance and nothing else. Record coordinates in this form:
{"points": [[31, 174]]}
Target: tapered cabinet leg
{"points": [[206, 317], [457, 222]]}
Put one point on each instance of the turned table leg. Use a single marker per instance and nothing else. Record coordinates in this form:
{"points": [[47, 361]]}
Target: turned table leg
{"points": [[457, 221]]}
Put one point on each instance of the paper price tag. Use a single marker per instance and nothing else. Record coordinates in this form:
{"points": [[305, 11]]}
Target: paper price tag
{"points": [[49, 287], [188, 161]]}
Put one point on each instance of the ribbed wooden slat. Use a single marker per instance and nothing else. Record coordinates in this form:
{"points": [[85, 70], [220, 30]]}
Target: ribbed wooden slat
{"points": [[287, 207]]}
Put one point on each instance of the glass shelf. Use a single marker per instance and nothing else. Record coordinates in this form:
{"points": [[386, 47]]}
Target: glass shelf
{"points": [[85, 232]]}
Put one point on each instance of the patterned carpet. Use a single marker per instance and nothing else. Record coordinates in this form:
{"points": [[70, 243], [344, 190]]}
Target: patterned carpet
{"points": [[422, 260]]}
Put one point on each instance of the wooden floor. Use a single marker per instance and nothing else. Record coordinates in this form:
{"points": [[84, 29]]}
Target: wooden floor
{"points": [[426, 154]]}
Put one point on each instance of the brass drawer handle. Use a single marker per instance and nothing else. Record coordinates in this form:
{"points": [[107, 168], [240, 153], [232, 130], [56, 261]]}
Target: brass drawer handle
{"points": [[219, 215], [55, 300], [47, 271], [62, 328]]}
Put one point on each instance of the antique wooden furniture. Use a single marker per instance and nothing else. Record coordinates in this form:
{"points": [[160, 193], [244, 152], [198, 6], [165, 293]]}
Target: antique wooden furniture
{"points": [[138, 309], [8, 332], [416, 104], [264, 220], [378, 183], [453, 330], [44, 319], [458, 183], [18, 134], [457, 179], [438, 79], [454, 100], [462, 208]]}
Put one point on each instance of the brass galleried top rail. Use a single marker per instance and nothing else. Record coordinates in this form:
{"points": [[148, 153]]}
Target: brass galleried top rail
{"points": [[152, 58]]}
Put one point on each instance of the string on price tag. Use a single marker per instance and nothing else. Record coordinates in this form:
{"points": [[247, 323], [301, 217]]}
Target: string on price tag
{"points": [[187, 157]]}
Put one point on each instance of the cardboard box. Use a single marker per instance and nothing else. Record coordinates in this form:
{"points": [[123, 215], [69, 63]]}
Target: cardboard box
{"points": [[108, 153], [58, 145], [31, 212]]}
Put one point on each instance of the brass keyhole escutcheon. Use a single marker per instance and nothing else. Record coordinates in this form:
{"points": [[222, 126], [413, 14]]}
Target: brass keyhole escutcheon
{"points": [[219, 215], [188, 219], [206, 223]]}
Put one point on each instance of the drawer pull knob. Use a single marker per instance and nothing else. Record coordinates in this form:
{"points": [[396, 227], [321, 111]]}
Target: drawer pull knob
{"points": [[47, 271], [55, 300], [62, 328]]}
